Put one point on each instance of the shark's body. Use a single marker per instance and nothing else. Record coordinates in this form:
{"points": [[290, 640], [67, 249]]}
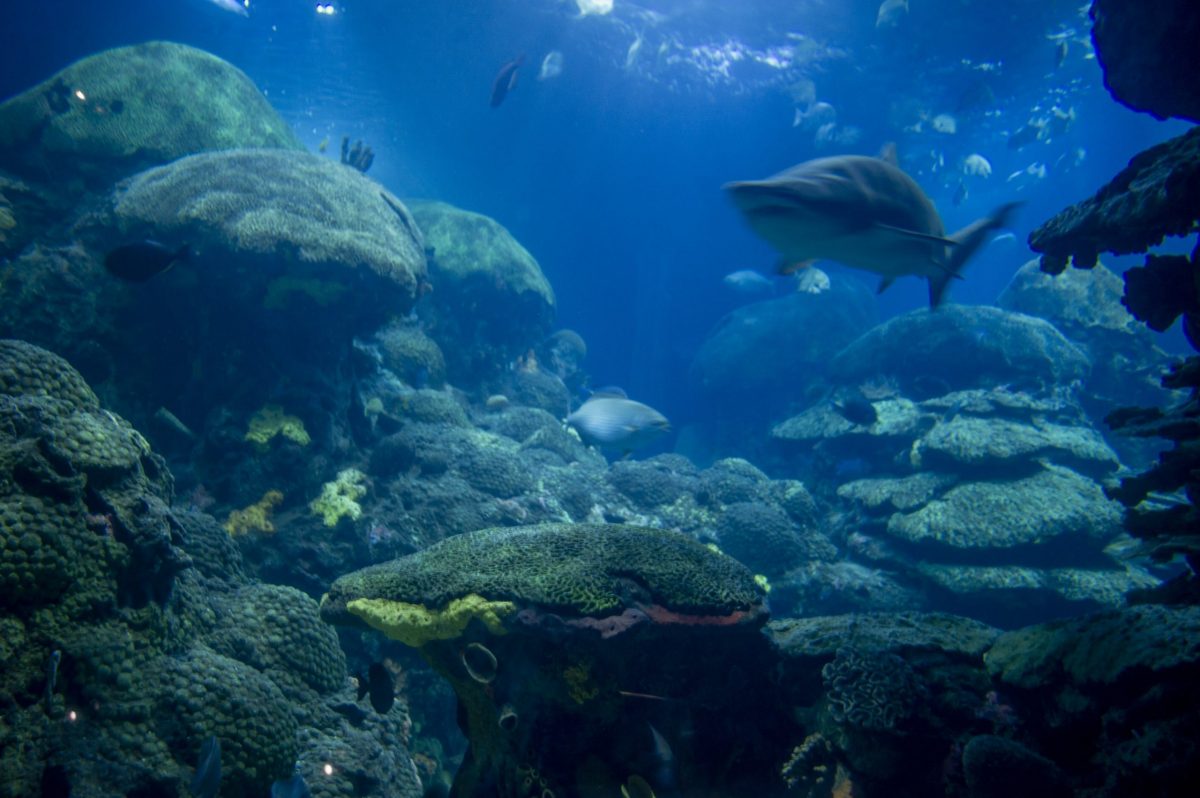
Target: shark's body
{"points": [[862, 212]]}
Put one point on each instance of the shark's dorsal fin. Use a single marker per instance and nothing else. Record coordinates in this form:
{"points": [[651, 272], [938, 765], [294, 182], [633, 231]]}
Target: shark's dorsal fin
{"points": [[946, 242], [889, 155]]}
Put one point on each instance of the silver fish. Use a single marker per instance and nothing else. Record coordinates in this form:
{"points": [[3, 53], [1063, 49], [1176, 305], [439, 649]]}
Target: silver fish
{"points": [[616, 423], [862, 212], [747, 281]]}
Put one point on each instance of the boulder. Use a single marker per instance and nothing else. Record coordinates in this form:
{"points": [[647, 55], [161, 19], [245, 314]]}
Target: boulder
{"points": [[929, 353], [124, 110], [491, 300], [1148, 54]]}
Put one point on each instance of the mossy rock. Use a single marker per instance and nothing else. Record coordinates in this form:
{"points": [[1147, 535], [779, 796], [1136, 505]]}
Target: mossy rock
{"points": [[470, 246], [582, 570], [1054, 506], [335, 232], [490, 296], [959, 347], [1100, 648], [143, 105], [964, 443]]}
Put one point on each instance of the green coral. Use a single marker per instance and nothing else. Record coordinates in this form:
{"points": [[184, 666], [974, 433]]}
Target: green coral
{"points": [[278, 629], [28, 370], [339, 498], [415, 624], [105, 116], [470, 244], [271, 421], [583, 569], [1053, 503]]}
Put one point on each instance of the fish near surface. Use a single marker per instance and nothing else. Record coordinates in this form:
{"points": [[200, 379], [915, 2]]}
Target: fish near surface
{"points": [[617, 423], [862, 212]]}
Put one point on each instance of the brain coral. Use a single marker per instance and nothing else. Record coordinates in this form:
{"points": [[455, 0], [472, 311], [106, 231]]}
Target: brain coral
{"points": [[585, 569], [201, 693], [872, 691], [276, 629], [141, 106], [28, 370]]}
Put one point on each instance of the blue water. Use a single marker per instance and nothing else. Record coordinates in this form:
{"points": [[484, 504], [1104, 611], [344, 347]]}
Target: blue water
{"points": [[610, 173]]}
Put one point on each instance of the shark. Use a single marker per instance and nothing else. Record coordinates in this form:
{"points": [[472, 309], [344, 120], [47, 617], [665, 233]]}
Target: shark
{"points": [[862, 212]]}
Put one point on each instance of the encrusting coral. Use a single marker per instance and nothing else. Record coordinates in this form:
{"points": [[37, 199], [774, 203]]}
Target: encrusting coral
{"points": [[271, 421], [256, 517]]}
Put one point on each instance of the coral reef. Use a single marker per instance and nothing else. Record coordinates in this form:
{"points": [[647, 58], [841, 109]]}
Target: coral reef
{"points": [[1157, 195], [1086, 306], [101, 119], [745, 375], [490, 300], [573, 568], [874, 691], [326, 223], [589, 628], [929, 354], [130, 632], [1169, 528], [982, 496]]}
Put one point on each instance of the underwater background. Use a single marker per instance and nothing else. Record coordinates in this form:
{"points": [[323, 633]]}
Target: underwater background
{"points": [[397, 398]]}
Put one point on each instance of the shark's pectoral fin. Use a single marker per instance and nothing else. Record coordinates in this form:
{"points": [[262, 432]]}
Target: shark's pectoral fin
{"points": [[913, 234], [885, 284]]}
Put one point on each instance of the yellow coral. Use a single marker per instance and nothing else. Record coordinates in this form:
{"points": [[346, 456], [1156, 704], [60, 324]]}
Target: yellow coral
{"points": [[272, 421], [415, 624], [339, 498], [7, 222], [256, 517]]}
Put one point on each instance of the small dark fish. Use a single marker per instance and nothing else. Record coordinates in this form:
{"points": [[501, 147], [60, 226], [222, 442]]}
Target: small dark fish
{"points": [[506, 80], [381, 687], [295, 787], [207, 779], [857, 410], [1060, 53], [52, 676], [138, 262]]}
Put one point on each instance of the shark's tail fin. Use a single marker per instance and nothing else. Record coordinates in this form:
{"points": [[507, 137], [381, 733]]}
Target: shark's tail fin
{"points": [[967, 241]]}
